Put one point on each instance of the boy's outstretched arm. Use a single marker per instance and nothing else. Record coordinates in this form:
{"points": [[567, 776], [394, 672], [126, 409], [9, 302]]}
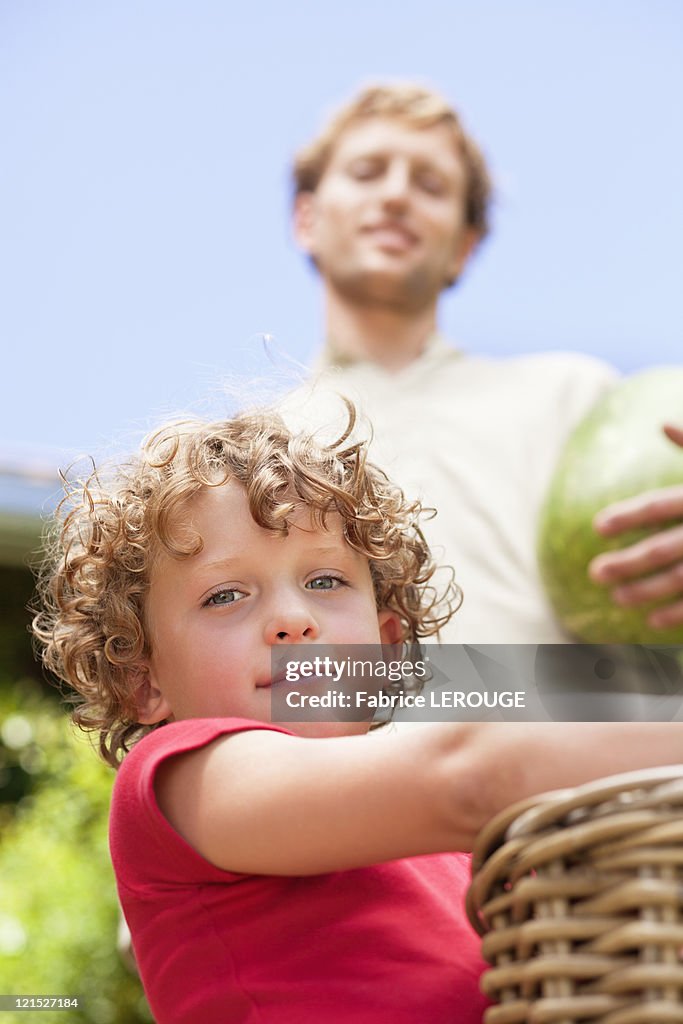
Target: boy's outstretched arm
{"points": [[263, 802]]}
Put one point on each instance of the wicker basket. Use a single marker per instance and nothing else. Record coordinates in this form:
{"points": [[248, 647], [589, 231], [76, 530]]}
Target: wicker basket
{"points": [[579, 897]]}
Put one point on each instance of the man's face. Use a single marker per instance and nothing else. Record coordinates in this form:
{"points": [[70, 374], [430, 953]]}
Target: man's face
{"points": [[215, 617], [386, 223]]}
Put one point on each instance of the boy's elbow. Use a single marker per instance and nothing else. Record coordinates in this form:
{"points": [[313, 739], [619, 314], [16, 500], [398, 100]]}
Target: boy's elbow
{"points": [[480, 773]]}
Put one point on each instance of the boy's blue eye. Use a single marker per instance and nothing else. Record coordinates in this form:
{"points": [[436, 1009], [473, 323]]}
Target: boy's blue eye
{"points": [[223, 597], [325, 583]]}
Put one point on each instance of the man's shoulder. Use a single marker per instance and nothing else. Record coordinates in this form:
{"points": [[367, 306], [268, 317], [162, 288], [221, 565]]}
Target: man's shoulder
{"points": [[554, 371], [560, 361], [568, 382]]}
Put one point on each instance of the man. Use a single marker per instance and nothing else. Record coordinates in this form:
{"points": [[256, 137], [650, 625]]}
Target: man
{"points": [[391, 201]]}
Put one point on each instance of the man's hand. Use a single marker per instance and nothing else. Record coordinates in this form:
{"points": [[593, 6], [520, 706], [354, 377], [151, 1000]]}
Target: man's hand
{"points": [[634, 569]]}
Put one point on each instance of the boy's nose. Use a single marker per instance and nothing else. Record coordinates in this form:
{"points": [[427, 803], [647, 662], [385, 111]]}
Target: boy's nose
{"points": [[293, 625]]}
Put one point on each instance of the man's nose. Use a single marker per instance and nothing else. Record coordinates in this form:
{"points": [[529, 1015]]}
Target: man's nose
{"points": [[293, 623], [396, 183]]}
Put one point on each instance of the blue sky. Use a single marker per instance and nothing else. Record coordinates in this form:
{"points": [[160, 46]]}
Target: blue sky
{"points": [[144, 190]]}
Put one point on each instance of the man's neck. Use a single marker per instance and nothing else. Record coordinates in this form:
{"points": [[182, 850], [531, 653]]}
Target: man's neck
{"points": [[391, 339]]}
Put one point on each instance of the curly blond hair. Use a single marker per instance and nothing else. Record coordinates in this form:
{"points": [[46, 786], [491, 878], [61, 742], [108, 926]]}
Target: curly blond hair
{"points": [[416, 107], [109, 528]]}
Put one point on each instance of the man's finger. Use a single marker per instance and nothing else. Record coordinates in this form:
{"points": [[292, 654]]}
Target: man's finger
{"points": [[674, 433], [669, 615], [655, 552], [651, 588], [649, 509]]}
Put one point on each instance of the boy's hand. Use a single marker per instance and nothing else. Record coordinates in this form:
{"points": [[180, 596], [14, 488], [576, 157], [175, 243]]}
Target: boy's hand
{"points": [[651, 569]]}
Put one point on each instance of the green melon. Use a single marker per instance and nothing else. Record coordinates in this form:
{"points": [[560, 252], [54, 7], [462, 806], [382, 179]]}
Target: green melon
{"points": [[616, 452]]}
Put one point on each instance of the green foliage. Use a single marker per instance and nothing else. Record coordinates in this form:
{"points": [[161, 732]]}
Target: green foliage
{"points": [[58, 907]]}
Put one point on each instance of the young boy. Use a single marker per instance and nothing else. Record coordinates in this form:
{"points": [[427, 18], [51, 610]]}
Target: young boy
{"points": [[269, 873]]}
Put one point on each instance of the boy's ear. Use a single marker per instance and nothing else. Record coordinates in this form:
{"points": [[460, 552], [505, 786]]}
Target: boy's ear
{"points": [[390, 628], [303, 220], [151, 705]]}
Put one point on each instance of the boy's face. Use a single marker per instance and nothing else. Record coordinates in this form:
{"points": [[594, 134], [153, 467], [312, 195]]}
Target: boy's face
{"points": [[386, 224], [214, 617]]}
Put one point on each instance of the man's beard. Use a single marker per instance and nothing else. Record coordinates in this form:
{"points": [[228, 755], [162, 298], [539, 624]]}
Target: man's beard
{"points": [[405, 294]]}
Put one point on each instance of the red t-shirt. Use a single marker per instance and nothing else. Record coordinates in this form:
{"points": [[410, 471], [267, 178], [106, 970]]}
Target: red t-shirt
{"points": [[387, 944]]}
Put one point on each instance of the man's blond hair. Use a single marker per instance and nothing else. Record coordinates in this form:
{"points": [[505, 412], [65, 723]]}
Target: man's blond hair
{"points": [[417, 107]]}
